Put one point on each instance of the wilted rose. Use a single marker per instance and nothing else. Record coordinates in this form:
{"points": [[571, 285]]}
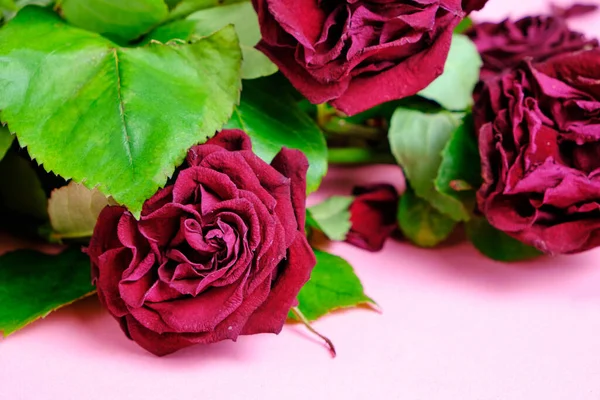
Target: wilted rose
{"points": [[473, 5], [373, 216], [504, 45], [539, 139], [357, 54], [219, 253]]}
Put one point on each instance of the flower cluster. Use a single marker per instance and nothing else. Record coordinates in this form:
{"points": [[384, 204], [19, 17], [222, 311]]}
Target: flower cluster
{"points": [[538, 121]]}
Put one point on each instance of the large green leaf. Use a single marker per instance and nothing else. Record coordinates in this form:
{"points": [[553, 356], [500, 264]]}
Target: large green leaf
{"points": [[453, 90], [20, 187], [209, 20], [273, 120], [125, 20], [34, 284], [120, 119], [417, 140], [6, 140], [496, 244], [421, 223], [332, 217], [332, 285], [186, 7]]}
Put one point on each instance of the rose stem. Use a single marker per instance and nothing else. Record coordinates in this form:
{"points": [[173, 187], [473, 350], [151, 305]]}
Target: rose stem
{"points": [[298, 314], [358, 155]]}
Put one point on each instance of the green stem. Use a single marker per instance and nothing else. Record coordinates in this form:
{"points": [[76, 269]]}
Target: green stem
{"points": [[358, 156], [340, 127], [298, 314]]}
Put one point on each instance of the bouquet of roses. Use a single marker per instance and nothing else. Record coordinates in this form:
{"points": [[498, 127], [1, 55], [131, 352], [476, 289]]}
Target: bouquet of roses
{"points": [[171, 145]]}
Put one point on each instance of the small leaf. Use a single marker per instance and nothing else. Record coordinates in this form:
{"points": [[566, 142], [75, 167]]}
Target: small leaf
{"points": [[74, 210], [119, 119], [20, 187], [459, 174], [6, 140], [453, 90], [205, 22], [417, 140], [34, 284], [460, 158], [333, 285], [464, 25], [273, 120], [125, 20], [496, 244], [332, 217], [421, 223]]}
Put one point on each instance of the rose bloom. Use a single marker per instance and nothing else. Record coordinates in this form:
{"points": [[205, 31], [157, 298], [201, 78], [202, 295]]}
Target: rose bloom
{"points": [[504, 45], [218, 254], [373, 216], [539, 139], [357, 54]]}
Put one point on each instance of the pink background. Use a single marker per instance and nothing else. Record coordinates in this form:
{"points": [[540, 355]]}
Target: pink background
{"points": [[454, 326]]}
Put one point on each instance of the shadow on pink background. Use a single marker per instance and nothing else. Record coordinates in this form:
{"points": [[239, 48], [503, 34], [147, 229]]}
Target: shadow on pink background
{"points": [[454, 326]]}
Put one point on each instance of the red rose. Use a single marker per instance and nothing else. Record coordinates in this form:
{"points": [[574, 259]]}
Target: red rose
{"points": [[357, 54], [373, 216], [473, 5], [539, 139], [219, 253], [504, 45]]}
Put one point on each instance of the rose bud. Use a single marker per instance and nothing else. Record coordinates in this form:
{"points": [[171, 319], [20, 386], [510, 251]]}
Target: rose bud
{"points": [[504, 45], [219, 253], [539, 140], [373, 216], [357, 54]]}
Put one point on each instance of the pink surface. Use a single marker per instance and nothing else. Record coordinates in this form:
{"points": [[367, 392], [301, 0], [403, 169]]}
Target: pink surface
{"points": [[454, 326]]}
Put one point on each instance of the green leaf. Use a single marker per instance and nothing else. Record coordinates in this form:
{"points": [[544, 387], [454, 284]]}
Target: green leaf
{"points": [[20, 187], [186, 7], [74, 210], [421, 223], [333, 285], [120, 119], [34, 284], [464, 25], [210, 20], [125, 20], [273, 120], [332, 217], [8, 5], [460, 159], [496, 244], [417, 140], [6, 140], [453, 90], [172, 3]]}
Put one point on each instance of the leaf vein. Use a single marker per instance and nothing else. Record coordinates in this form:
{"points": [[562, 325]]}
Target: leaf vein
{"points": [[125, 132]]}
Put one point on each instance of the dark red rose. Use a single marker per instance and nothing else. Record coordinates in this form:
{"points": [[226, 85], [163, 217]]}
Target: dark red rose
{"points": [[357, 54], [473, 5], [504, 45], [219, 253], [539, 139], [373, 216]]}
